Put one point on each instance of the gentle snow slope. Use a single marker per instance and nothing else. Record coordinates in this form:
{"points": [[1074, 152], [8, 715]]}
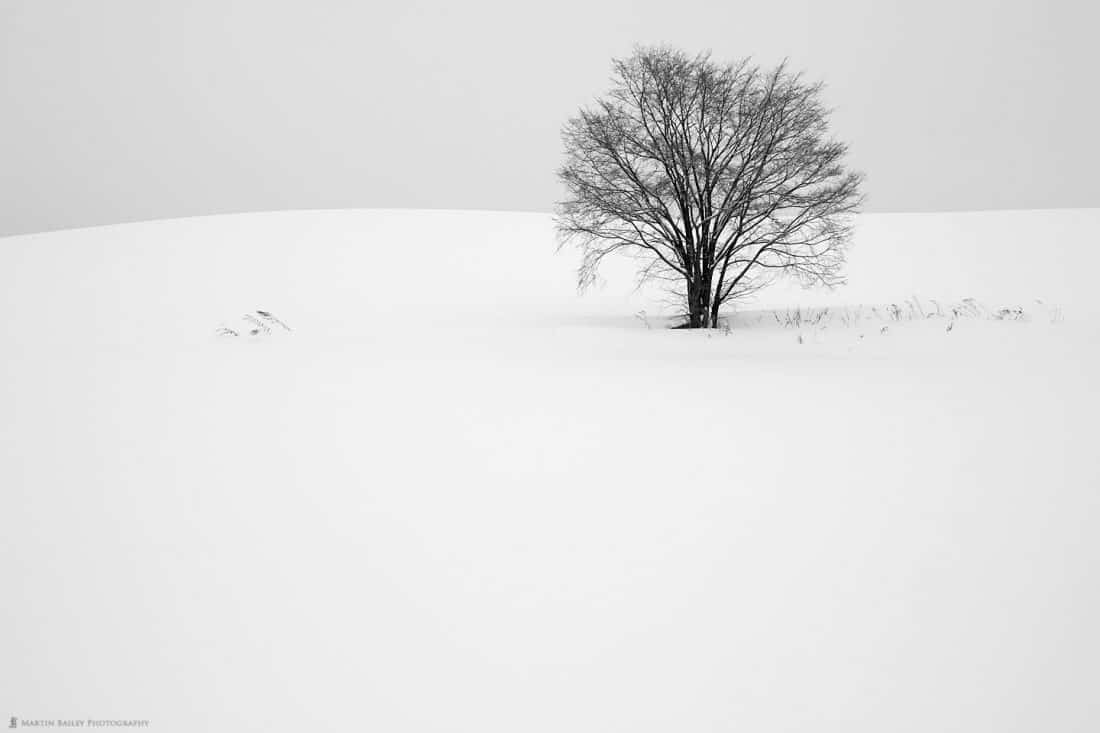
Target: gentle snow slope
{"points": [[461, 497]]}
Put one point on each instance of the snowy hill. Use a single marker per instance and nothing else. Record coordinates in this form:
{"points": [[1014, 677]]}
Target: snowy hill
{"points": [[351, 271], [459, 496]]}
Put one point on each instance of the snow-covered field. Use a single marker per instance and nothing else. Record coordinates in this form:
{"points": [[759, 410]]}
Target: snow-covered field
{"points": [[460, 497]]}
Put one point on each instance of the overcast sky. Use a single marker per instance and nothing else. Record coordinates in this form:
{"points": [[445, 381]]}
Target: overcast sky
{"points": [[124, 110]]}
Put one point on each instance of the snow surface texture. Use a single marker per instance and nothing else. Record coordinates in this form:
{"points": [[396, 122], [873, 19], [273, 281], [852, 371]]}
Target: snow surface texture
{"points": [[459, 496]]}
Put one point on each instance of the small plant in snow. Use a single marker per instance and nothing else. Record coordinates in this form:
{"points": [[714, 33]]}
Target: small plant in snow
{"points": [[1009, 314], [260, 326], [256, 323], [970, 307], [918, 307], [909, 310], [272, 319]]}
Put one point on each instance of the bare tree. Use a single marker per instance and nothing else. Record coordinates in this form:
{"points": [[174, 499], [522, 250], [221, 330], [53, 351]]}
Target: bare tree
{"points": [[720, 177]]}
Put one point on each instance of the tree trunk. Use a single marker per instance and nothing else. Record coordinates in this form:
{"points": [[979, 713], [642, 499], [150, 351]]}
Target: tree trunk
{"points": [[699, 302], [704, 301], [692, 298], [696, 319]]}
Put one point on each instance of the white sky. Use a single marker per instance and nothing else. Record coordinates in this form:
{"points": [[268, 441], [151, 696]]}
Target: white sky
{"points": [[123, 110]]}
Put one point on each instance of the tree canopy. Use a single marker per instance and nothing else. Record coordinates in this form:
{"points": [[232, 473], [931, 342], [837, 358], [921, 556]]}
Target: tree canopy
{"points": [[719, 176]]}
